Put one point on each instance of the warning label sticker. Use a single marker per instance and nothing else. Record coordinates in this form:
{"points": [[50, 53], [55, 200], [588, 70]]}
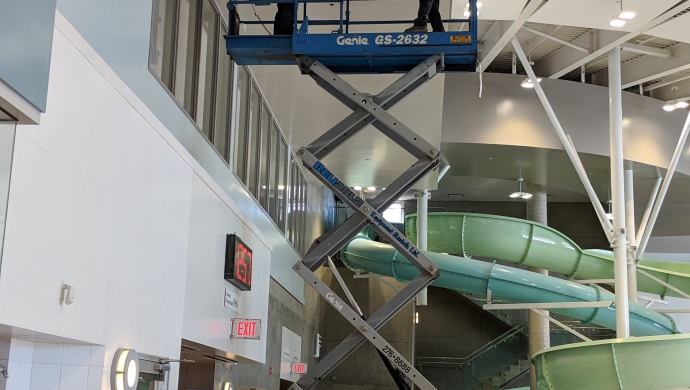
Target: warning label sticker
{"points": [[460, 39]]}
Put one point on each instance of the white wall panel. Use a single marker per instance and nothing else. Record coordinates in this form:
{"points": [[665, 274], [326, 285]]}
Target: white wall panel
{"points": [[101, 198], [209, 323]]}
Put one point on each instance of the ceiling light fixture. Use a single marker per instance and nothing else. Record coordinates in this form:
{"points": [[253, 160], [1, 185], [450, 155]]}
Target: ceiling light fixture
{"points": [[672, 106], [520, 193], [622, 17], [528, 83], [372, 188], [609, 215], [467, 13], [357, 188]]}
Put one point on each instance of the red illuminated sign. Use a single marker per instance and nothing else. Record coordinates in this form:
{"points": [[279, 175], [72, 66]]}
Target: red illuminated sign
{"points": [[245, 328], [299, 368], [238, 263]]}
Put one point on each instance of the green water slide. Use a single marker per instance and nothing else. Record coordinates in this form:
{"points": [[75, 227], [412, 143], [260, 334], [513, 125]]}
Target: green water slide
{"points": [[651, 360]]}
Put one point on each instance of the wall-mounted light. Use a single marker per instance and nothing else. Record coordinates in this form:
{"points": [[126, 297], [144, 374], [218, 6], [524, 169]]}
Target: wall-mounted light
{"points": [[124, 374], [416, 317], [520, 193], [528, 83], [227, 386]]}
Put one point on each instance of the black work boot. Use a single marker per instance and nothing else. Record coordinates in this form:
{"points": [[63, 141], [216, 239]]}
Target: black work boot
{"points": [[420, 26]]}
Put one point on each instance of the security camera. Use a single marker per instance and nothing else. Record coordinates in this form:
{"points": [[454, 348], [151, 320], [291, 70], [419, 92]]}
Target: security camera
{"points": [[3, 371]]}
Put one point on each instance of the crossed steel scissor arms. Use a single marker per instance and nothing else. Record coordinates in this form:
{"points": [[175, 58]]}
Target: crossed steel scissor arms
{"points": [[387, 98], [357, 101], [368, 110], [329, 243]]}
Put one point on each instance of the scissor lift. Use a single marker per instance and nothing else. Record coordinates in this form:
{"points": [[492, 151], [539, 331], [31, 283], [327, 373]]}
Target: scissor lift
{"points": [[322, 56]]}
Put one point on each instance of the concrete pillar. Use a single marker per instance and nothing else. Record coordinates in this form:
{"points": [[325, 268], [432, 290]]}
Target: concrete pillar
{"points": [[539, 335]]}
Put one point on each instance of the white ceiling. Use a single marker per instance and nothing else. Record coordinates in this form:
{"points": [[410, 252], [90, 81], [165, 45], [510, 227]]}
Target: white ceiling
{"points": [[598, 13], [305, 111]]}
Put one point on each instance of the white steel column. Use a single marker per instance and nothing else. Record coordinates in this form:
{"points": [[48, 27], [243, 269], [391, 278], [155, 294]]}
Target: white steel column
{"points": [[539, 327], [619, 242], [422, 232], [630, 230]]}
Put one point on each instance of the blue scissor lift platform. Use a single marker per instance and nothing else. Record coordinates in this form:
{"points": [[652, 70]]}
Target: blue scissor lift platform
{"points": [[420, 56], [345, 52]]}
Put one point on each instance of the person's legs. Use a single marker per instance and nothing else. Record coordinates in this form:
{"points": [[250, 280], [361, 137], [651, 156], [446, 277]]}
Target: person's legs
{"points": [[284, 19], [435, 17]]}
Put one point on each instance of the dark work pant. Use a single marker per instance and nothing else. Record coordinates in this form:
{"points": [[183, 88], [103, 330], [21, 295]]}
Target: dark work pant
{"points": [[284, 19], [428, 12]]}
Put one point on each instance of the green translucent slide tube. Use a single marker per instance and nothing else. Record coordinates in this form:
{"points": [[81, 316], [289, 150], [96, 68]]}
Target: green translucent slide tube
{"points": [[506, 283], [529, 243], [655, 359]]}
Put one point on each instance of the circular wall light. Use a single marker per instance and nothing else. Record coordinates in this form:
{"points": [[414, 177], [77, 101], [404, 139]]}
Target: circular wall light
{"points": [[124, 374]]}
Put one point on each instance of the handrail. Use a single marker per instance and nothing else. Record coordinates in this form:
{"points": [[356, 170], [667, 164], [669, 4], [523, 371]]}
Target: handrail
{"points": [[515, 330], [334, 22]]}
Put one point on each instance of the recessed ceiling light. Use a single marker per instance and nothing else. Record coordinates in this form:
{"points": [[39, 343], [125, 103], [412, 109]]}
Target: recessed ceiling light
{"points": [[626, 15], [357, 188], [617, 23], [466, 13], [682, 104], [372, 188], [479, 4]]}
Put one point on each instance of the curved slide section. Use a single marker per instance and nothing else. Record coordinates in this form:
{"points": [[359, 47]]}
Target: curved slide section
{"points": [[529, 243], [654, 359], [506, 283]]}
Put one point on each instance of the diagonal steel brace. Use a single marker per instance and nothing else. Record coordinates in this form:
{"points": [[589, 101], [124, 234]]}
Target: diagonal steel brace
{"points": [[368, 110]]}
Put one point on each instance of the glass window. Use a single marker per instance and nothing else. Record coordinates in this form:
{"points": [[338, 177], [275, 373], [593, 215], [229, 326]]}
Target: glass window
{"points": [[253, 140], [163, 41], [291, 203], [222, 116], [282, 183], [184, 72], [273, 171], [208, 33], [241, 122], [264, 138]]}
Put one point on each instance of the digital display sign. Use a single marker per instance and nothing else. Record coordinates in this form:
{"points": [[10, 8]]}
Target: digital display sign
{"points": [[238, 263]]}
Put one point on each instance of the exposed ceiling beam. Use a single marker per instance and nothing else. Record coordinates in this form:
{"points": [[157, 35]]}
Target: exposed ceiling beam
{"points": [[561, 41], [563, 62], [646, 68], [539, 42], [666, 82], [650, 51], [668, 95], [501, 32]]}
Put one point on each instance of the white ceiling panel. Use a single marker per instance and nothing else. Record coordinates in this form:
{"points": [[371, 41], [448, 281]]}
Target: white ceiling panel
{"points": [[677, 29], [492, 9], [598, 13]]}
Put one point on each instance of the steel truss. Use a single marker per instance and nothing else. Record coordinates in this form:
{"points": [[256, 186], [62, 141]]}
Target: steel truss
{"points": [[367, 110]]}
